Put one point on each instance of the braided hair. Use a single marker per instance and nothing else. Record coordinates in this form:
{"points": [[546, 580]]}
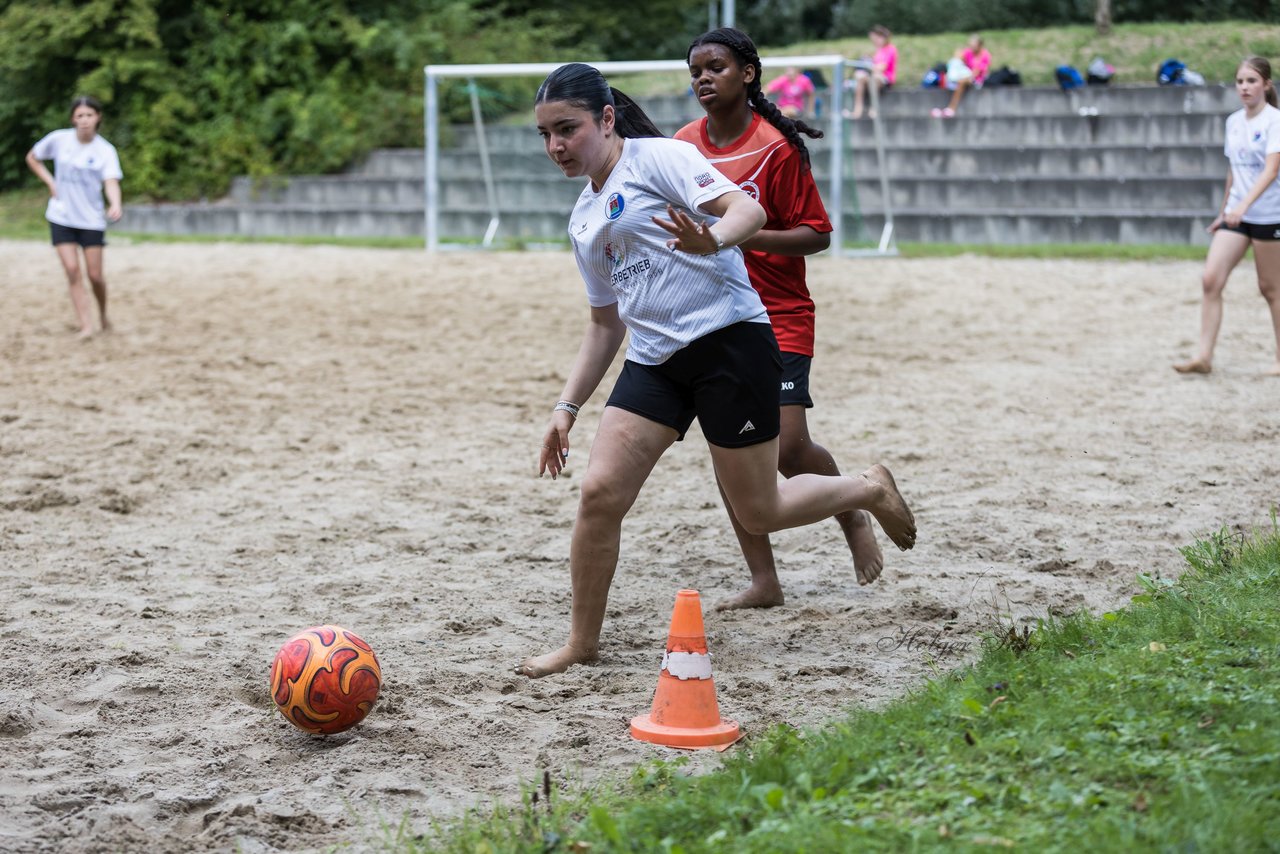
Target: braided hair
{"points": [[744, 50], [584, 87]]}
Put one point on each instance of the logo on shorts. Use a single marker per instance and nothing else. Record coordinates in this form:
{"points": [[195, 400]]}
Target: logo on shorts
{"points": [[751, 188], [704, 179], [613, 207], [746, 428], [788, 385]]}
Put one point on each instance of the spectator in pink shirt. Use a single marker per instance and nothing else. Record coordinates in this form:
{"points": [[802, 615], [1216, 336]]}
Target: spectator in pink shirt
{"points": [[978, 60], [793, 93], [884, 69]]}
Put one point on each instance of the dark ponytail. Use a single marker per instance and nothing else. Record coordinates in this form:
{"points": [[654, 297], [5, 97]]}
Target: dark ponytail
{"points": [[1261, 65], [584, 87], [744, 50]]}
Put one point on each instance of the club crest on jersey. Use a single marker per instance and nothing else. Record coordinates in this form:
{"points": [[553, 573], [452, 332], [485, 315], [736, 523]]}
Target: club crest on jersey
{"points": [[1257, 136], [704, 179], [614, 205], [751, 188]]}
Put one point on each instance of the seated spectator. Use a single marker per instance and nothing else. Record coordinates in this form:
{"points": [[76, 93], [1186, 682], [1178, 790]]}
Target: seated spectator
{"points": [[883, 71], [793, 93], [974, 58]]}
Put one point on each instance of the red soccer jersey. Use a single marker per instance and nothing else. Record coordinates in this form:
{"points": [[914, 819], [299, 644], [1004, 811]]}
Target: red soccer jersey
{"points": [[769, 168]]}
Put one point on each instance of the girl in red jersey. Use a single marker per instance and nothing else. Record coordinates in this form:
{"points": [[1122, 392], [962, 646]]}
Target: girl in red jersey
{"points": [[748, 139]]}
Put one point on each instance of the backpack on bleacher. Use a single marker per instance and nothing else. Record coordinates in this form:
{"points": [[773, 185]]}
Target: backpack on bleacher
{"points": [[1004, 76], [1100, 72], [935, 77], [1068, 77], [1172, 72]]}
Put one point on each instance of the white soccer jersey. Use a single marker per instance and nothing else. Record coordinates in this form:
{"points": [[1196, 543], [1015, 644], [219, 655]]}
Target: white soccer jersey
{"points": [[78, 172], [666, 299], [1249, 141]]}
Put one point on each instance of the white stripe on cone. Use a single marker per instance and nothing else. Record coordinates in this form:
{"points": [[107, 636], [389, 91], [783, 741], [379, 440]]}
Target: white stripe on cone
{"points": [[687, 665]]}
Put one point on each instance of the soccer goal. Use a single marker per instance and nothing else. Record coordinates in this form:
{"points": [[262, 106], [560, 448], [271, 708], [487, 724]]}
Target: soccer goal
{"points": [[839, 186]]}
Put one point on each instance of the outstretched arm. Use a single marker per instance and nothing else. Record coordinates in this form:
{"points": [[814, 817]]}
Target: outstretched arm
{"points": [[600, 344]]}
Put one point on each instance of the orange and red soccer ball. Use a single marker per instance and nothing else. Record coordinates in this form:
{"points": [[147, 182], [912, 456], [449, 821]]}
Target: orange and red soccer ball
{"points": [[325, 679]]}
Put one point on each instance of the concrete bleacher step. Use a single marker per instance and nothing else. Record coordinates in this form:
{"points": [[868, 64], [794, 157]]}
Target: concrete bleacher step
{"points": [[1156, 129], [861, 161], [907, 100], [552, 194], [1019, 165]]}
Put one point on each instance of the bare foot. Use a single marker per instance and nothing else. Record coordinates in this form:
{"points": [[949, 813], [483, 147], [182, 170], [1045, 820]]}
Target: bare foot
{"points": [[1273, 371], [890, 509], [554, 662], [868, 560], [84, 335], [1194, 366], [107, 327], [758, 595]]}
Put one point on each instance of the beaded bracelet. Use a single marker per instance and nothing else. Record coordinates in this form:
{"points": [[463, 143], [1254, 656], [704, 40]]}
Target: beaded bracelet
{"points": [[566, 406]]}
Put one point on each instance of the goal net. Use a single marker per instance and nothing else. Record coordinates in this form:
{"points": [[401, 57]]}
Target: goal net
{"points": [[495, 180]]}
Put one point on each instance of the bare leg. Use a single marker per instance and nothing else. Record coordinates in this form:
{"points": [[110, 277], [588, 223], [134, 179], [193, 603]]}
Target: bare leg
{"points": [[93, 267], [1225, 251], [799, 454], [1266, 255], [70, 258], [958, 93], [762, 505], [765, 590], [624, 452], [860, 79]]}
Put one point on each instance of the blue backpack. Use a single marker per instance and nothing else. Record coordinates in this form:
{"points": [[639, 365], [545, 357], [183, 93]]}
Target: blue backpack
{"points": [[1068, 77], [1171, 73]]}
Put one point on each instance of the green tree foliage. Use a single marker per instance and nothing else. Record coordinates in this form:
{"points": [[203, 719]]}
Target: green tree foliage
{"points": [[199, 92], [196, 93]]}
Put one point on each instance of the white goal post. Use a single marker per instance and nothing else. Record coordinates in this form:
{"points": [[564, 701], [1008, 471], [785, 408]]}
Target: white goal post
{"points": [[835, 132]]}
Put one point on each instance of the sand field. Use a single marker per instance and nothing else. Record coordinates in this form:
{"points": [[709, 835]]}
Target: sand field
{"points": [[281, 436]]}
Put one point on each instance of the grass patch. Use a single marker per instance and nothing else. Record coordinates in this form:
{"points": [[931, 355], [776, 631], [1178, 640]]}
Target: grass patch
{"points": [[1156, 727], [22, 214]]}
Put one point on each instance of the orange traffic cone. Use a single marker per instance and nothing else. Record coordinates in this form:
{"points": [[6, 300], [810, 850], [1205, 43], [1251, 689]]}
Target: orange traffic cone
{"points": [[685, 713]]}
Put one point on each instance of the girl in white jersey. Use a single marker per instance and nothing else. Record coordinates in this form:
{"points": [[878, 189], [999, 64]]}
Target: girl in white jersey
{"points": [[1250, 214], [700, 343], [85, 165]]}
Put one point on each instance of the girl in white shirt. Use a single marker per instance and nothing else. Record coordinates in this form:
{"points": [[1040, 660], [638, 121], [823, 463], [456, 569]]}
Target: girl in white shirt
{"points": [[1250, 214], [700, 343], [85, 166]]}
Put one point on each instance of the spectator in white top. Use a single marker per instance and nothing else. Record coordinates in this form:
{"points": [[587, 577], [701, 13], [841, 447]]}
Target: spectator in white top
{"points": [[654, 234], [85, 166], [1250, 214]]}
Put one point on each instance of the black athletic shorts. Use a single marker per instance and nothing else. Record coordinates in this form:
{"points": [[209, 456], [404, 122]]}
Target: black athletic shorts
{"points": [[83, 236], [729, 379], [795, 380], [1255, 231]]}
